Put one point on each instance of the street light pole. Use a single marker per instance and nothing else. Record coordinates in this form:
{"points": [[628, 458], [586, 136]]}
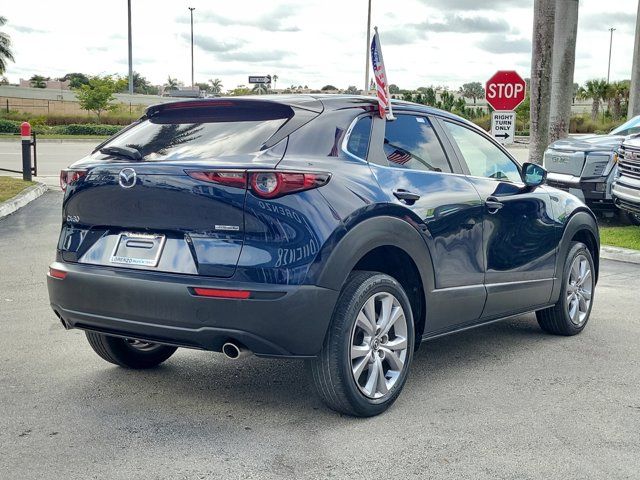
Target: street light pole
{"points": [[366, 58], [130, 50], [610, 45], [191, 9]]}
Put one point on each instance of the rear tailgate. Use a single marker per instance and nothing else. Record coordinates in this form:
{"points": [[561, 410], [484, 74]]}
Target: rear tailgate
{"points": [[151, 214]]}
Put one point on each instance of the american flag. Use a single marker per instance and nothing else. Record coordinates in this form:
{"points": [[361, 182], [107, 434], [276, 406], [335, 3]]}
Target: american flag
{"points": [[380, 73], [399, 157]]}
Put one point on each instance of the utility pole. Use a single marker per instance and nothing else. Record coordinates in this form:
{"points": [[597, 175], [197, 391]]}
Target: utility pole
{"points": [[367, 52], [610, 45], [191, 9], [130, 50]]}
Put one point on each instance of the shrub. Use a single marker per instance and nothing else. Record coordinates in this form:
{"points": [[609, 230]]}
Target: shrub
{"points": [[87, 129], [9, 126]]}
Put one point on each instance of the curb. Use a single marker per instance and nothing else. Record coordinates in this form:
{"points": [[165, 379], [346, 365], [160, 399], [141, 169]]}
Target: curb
{"points": [[620, 254], [23, 198]]}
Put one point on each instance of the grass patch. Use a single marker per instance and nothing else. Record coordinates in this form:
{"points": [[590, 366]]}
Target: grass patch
{"points": [[10, 187], [626, 237]]}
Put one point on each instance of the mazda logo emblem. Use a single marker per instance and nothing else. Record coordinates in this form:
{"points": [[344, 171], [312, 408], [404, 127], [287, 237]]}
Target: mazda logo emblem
{"points": [[127, 177]]}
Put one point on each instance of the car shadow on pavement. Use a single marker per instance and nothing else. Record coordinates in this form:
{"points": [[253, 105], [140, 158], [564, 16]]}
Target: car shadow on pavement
{"points": [[203, 385]]}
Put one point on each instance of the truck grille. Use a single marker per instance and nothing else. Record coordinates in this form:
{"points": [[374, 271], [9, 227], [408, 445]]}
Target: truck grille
{"points": [[629, 162]]}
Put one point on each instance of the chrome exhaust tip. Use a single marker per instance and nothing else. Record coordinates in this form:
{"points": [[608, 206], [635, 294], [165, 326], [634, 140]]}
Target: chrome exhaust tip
{"points": [[233, 351]]}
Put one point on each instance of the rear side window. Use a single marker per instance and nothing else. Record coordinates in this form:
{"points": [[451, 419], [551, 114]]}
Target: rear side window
{"points": [[197, 134], [358, 143], [411, 142]]}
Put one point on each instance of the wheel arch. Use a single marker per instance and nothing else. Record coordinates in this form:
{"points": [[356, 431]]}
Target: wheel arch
{"points": [[389, 245], [581, 227]]}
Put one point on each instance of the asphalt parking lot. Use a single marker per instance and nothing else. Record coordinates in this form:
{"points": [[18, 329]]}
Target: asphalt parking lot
{"points": [[504, 401]]}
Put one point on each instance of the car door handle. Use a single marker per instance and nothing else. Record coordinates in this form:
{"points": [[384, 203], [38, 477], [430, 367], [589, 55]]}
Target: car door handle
{"points": [[493, 204], [406, 196]]}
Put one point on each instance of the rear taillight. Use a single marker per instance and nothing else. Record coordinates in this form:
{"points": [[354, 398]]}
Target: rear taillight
{"points": [[230, 179], [265, 184], [69, 176]]}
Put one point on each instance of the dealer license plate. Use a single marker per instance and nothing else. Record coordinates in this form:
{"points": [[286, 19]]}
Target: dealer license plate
{"points": [[139, 249]]}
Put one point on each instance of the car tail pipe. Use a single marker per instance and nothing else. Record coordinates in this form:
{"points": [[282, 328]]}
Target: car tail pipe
{"points": [[235, 351]]}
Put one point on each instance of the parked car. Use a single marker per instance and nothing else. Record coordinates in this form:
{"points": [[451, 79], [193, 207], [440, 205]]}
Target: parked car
{"points": [[308, 227], [626, 188], [585, 165]]}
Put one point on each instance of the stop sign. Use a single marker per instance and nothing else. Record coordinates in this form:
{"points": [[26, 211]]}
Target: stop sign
{"points": [[505, 90]]}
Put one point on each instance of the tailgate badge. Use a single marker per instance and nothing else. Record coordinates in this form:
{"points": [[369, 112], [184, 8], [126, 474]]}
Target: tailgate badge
{"points": [[228, 228], [127, 177]]}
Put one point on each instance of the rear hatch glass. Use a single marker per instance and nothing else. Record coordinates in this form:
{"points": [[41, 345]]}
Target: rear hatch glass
{"points": [[144, 212]]}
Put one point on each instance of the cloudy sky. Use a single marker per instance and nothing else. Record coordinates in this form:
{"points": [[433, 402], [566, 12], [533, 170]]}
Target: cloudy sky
{"points": [[310, 42]]}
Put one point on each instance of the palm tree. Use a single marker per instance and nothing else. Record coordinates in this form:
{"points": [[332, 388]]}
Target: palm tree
{"points": [[564, 60], [544, 12], [172, 83], [5, 48], [634, 99], [216, 85], [38, 81], [618, 95], [596, 90], [260, 89], [274, 77]]}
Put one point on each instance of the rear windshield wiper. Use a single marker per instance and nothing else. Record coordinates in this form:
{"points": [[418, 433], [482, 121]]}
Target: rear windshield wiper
{"points": [[126, 152]]}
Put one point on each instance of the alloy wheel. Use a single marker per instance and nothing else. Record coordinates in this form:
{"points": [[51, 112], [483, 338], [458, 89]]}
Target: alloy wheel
{"points": [[379, 345], [579, 290]]}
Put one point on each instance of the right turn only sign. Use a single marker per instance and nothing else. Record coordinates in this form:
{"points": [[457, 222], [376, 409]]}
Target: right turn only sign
{"points": [[503, 126]]}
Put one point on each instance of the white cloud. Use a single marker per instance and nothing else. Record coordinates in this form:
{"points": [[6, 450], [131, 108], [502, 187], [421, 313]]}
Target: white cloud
{"points": [[311, 42]]}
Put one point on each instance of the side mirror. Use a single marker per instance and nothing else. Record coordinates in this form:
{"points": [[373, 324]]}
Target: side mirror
{"points": [[533, 175]]}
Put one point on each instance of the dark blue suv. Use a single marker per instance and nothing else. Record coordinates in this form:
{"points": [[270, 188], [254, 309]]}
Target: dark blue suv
{"points": [[309, 227]]}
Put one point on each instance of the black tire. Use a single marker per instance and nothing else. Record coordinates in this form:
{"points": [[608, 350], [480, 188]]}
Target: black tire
{"points": [[556, 319], [331, 371], [125, 353]]}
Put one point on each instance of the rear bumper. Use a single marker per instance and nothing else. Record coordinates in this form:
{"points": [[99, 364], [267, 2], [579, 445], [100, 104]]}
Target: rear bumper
{"points": [[283, 321]]}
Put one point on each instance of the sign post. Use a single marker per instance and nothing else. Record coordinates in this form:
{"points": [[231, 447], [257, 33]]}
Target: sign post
{"points": [[504, 92]]}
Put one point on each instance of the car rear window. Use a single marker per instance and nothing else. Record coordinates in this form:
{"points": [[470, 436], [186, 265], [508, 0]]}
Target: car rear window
{"points": [[197, 134]]}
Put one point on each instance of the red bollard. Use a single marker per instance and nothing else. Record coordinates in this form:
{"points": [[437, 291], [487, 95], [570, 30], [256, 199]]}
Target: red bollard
{"points": [[25, 133]]}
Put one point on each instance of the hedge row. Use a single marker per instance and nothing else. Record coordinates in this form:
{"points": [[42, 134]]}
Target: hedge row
{"points": [[13, 126]]}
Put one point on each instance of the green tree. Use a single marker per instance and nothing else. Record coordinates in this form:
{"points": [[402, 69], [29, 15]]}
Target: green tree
{"points": [[5, 48], [216, 85], [38, 81], [240, 90], [619, 96], [447, 101], [351, 90], [260, 89], [596, 90], [473, 90], [393, 88], [203, 86], [172, 83], [76, 80], [96, 95], [324, 89], [274, 78]]}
